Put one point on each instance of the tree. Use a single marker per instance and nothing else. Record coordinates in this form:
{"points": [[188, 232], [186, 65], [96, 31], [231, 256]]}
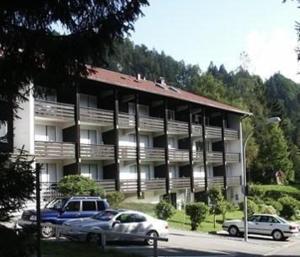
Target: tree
{"points": [[217, 202], [164, 210], [115, 199], [197, 212], [79, 185]]}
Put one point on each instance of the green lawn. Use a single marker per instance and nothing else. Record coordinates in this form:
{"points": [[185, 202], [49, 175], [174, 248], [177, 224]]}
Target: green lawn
{"points": [[76, 249], [181, 221]]}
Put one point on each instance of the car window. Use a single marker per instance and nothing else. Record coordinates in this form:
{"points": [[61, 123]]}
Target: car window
{"points": [[105, 215], [125, 218], [138, 218], [56, 204], [273, 220], [101, 205], [73, 206], [88, 206], [265, 219], [254, 218]]}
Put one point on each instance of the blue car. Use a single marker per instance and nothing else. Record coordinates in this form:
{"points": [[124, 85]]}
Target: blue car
{"points": [[62, 209]]}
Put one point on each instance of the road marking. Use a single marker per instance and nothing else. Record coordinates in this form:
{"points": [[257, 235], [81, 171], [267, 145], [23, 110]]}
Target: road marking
{"points": [[280, 249]]}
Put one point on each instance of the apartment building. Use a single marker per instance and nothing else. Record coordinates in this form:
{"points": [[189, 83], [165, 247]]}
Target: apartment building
{"points": [[143, 138]]}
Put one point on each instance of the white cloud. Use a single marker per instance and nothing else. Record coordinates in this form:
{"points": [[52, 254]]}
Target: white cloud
{"points": [[273, 51]]}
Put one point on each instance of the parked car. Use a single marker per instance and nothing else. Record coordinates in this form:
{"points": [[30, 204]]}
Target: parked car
{"points": [[62, 209], [125, 221], [263, 224]]}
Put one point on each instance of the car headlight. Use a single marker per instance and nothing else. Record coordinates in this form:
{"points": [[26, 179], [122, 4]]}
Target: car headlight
{"points": [[32, 218]]}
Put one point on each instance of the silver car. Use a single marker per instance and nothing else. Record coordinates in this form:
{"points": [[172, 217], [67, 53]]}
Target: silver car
{"points": [[263, 224], [124, 221]]}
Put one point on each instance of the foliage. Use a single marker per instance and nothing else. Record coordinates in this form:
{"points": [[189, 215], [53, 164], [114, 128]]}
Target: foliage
{"points": [[79, 185], [252, 207], [115, 199], [277, 205], [197, 212], [267, 209], [289, 206], [164, 210], [17, 182], [15, 244]]}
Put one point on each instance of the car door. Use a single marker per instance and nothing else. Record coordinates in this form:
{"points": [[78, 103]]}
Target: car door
{"points": [[70, 211], [253, 224], [125, 223], [89, 208], [267, 224]]}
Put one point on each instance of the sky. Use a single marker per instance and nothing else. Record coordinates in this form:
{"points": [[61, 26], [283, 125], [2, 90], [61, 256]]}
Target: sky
{"points": [[200, 31]]}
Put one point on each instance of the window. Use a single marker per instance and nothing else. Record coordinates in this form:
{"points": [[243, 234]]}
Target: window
{"points": [[48, 173], [138, 218], [101, 205], [88, 136], [88, 206], [171, 115], [124, 218], [3, 131], [73, 206], [45, 133], [144, 141], [88, 101], [46, 94], [90, 171], [254, 218]]}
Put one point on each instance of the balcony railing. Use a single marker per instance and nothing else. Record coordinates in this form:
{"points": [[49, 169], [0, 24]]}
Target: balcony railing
{"points": [[234, 181], [180, 183], [53, 110], [128, 185], [197, 130], [213, 132], [54, 150], [215, 181], [178, 155], [127, 152], [231, 134], [151, 124], [126, 121], [199, 183], [152, 154], [97, 152], [153, 184], [177, 127], [214, 157], [198, 156], [99, 116], [232, 157], [108, 185]]}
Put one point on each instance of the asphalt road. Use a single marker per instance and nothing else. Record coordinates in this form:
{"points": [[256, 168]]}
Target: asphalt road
{"points": [[193, 244]]}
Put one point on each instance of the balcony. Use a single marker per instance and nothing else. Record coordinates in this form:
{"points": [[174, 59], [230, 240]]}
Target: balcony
{"points": [[231, 134], [234, 181], [151, 124], [197, 130], [153, 184], [126, 121], [127, 152], [54, 150], [233, 157], [199, 184], [100, 117], [97, 152], [59, 112], [108, 185], [180, 183], [177, 127], [213, 132], [215, 182], [152, 154], [128, 185], [214, 157], [198, 156], [178, 155]]}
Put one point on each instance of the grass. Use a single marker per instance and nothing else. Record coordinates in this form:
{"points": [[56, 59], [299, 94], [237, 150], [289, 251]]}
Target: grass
{"points": [[182, 221], [281, 188], [77, 249]]}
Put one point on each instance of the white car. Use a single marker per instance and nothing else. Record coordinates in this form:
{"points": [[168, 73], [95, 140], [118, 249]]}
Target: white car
{"points": [[124, 221], [263, 224]]}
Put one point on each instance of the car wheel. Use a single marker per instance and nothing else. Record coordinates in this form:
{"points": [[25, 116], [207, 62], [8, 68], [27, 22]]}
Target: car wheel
{"points": [[152, 234], [47, 231], [277, 235], [233, 231], [93, 238]]}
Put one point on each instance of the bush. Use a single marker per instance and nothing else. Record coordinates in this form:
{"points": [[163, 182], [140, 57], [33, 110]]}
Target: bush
{"points": [[164, 210], [267, 209], [252, 207], [197, 213], [257, 191], [115, 198], [277, 205], [79, 185], [290, 206]]}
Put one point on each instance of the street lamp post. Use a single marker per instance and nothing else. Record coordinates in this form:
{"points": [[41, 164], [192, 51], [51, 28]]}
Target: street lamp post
{"points": [[272, 120]]}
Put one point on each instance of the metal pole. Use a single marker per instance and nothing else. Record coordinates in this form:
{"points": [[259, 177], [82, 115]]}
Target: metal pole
{"points": [[38, 210]]}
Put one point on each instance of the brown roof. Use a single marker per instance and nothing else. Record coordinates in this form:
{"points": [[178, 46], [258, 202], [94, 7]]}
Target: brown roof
{"points": [[122, 80]]}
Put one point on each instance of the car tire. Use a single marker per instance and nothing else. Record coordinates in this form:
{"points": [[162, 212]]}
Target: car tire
{"points": [[152, 233], [93, 238], [277, 235], [233, 231], [47, 231]]}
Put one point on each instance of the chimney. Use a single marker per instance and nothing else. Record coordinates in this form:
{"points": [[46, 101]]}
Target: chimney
{"points": [[138, 76], [161, 81]]}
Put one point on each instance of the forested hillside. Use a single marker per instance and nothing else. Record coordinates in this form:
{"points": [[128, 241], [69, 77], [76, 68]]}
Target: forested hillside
{"points": [[272, 147]]}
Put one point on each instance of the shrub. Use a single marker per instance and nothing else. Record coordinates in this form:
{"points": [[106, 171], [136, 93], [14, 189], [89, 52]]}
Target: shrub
{"points": [[79, 185], [164, 210], [197, 212], [115, 198], [289, 206], [267, 209], [257, 191], [277, 205], [252, 207]]}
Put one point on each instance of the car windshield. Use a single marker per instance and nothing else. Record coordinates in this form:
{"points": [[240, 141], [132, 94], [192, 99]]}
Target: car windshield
{"points": [[57, 204], [105, 215], [282, 220]]}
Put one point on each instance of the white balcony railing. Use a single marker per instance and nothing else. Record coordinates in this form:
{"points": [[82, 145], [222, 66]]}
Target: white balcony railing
{"points": [[54, 150], [234, 181], [152, 154], [97, 152], [215, 181], [153, 184], [178, 155], [213, 132], [199, 183], [177, 127], [126, 121], [108, 185], [197, 130], [127, 152], [233, 157], [198, 156], [100, 117], [231, 134], [214, 157], [180, 183], [151, 124]]}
